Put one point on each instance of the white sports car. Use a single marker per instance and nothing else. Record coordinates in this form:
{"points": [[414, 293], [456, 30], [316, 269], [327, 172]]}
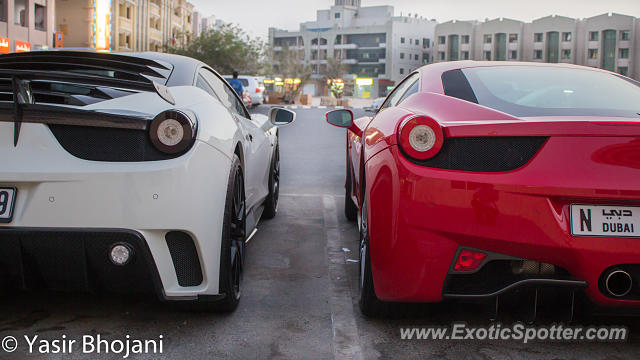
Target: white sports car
{"points": [[129, 173]]}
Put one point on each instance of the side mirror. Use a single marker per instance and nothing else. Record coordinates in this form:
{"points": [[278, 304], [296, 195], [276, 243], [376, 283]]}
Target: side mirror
{"points": [[281, 116], [340, 118]]}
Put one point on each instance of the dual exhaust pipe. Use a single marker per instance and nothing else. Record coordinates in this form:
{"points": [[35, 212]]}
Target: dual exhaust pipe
{"points": [[618, 283]]}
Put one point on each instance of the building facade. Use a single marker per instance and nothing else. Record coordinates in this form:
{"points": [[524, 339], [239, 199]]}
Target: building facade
{"points": [[26, 25], [125, 25], [377, 48], [608, 41]]}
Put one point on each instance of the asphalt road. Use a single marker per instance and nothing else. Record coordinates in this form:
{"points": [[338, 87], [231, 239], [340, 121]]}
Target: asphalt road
{"points": [[298, 296]]}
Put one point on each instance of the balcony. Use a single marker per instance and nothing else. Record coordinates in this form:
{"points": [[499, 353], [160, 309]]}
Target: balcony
{"points": [[154, 10], [155, 34], [350, 61], [125, 24], [344, 46]]}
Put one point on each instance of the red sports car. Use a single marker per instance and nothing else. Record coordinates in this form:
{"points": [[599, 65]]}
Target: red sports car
{"points": [[476, 178]]}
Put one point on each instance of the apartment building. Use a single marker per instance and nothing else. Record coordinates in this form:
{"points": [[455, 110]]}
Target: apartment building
{"points": [[608, 41], [26, 25], [124, 25], [378, 48]]}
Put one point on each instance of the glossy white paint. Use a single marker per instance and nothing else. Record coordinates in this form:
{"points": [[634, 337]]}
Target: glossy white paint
{"points": [[56, 189]]}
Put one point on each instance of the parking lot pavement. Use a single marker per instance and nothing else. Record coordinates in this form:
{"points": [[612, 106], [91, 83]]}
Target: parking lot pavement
{"points": [[298, 292]]}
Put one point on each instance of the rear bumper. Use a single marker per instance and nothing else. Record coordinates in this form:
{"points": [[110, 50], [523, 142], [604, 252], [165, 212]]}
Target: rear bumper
{"points": [[420, 217], [75, 260]]}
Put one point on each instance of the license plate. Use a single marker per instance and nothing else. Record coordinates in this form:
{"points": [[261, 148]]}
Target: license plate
{"points": [[7, 199], [599, 220]]}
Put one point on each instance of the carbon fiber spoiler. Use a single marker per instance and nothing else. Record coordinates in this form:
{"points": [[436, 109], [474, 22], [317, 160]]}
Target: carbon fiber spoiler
{"points": [[78, 68]]}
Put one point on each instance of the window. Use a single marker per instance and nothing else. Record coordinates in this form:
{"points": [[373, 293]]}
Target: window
{"points": [[366, 55], [129, 12], [464, 39], [513, 55], [464, 55], [3, 10], [20, 12], [442, 39], [487, 39], [401, 40], [224, 93], [337, 15], [513, 38], [624, 53], [625, 35], [398, 93], [426, 43], [593, 53], [487, 55], [533, 91], [537, 37], [412, 90], [594, 36], [566, 36], [441, 55], [415, 57], [566, 54], [417, 42], [401, 71], [623, 70], [537, 54], [40, 15], [401, 55]]}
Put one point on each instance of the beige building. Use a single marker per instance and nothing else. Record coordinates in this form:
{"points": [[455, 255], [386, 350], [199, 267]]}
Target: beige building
{"points": [[607, 41], [130, 25], [26, 23]]}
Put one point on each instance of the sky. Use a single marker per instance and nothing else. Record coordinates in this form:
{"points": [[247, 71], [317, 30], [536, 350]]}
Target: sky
{"points": [[256, 16]]}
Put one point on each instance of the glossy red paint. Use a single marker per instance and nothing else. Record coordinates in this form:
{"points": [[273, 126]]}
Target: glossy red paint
{"points": [[420, 216]]}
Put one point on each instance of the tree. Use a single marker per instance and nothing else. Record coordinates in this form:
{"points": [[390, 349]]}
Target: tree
{"points": [[225, 49], [290, 64], [335, 70]]}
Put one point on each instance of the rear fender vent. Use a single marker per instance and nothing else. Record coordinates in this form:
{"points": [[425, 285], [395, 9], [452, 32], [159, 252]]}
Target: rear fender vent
{"points": [[185, 258]]}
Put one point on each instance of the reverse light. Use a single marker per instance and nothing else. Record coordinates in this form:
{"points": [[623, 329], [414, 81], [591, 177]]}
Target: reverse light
{"points": [[469, 260], [420, 137], [173, 131], [120, 254]]}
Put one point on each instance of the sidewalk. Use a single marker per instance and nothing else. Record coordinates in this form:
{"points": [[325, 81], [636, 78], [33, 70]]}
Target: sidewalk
{"points": [[356, 103]]}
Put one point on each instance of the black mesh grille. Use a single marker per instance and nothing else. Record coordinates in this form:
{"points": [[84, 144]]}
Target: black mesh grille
{"points": [[68, 260], [485, 154], [185, 258], [107, 144]]}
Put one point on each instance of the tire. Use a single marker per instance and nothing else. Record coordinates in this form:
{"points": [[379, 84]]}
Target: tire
{"points": [[271, 202], [350, 209], [233, 242], [369, 303]]}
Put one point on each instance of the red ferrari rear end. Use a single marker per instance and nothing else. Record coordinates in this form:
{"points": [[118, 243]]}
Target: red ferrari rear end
{"points": [[504, 177]]}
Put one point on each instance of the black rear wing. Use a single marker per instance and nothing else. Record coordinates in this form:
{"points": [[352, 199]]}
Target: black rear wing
{"points": [[23, 75]]}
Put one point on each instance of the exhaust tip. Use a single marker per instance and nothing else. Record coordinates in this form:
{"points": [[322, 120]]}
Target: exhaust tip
{"points": [[618, 283]]}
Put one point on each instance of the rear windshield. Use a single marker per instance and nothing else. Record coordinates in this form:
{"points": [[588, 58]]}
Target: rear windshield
{"points": [[548, 91]]}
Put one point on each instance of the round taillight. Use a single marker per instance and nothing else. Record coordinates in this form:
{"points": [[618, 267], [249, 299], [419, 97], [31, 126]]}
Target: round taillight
{"points": [[173, 131], [420, 137]]}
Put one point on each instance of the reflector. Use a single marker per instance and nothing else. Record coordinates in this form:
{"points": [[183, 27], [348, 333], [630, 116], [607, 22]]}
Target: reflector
{"points": [[469, 260]]}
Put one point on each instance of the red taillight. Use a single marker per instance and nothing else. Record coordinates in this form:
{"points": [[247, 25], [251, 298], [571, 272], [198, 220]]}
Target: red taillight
{"points": [[257, 90], [420, 137], [469, 260]]}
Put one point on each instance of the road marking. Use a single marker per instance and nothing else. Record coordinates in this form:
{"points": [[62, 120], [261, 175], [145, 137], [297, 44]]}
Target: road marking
{"points": [[346, 343]]}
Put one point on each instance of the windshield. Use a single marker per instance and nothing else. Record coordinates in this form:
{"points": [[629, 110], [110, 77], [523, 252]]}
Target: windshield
{"points": [[548, 91]]}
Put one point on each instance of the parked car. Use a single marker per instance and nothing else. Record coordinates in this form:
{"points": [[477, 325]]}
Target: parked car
{"points": [[253, 86], [478, 178], [375, 105], [130, 173]]}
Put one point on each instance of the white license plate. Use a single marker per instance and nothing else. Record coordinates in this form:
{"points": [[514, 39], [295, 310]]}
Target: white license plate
{"points": [[600, 220], [7, 199]]}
